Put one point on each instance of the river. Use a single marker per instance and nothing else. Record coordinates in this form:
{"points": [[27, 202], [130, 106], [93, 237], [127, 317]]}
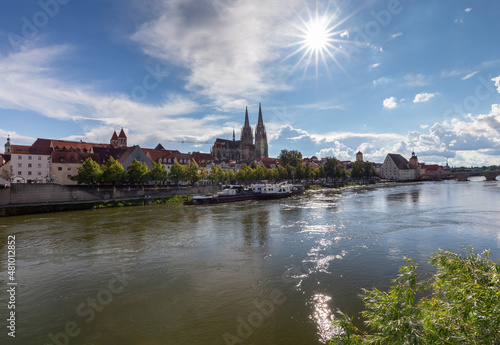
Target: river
{"points": [[256, 272]]}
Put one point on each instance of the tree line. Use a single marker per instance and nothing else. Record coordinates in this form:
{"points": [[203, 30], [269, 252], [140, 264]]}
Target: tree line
{"points": [[291, 167]]}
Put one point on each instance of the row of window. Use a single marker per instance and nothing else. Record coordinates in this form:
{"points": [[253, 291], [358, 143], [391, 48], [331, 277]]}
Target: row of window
{"points": [[164, 160], [39, 173], [20, 165], [31, 157]]}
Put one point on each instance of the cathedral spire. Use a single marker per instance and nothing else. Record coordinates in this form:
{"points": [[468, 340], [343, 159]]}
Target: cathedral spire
{"points": [[260, 121], [234, 135], [247, 123]]}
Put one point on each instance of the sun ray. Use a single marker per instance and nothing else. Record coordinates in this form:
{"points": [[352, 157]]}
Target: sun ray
{"points": [[319, 38]]}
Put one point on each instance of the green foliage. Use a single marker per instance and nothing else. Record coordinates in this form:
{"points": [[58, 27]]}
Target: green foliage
{"points": [[177, 173], [215, 174], [89, 173], [113, 172], [363, 170], [138, 172], [191, 173], [158, 172], [292, 158], [460, 305]]}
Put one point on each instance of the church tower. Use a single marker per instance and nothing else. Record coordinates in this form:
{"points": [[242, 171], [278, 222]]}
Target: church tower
{"points": [[247, 147], [261, 148], [122, 139], [359, 157], [414, 161], [114, 139], [8, 148]]}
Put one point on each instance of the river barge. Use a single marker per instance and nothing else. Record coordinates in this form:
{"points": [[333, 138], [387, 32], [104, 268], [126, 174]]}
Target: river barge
{"points": [[235, 193]]}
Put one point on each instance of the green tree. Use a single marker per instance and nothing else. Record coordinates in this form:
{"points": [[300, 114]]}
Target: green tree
{"points": [[89, 173], [158, 172], [460, 304], [192, 174], [138, 172], [176, 173], [283, 173], [331, 167], [363, 170], [215, 174], [202, 174], [292, 158], [113, 172]]}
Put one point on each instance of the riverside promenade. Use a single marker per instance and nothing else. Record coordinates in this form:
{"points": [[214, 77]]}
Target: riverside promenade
{"points": [[41, 198]]}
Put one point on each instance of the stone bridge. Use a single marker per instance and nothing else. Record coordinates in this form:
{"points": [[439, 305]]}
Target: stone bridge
{"points": [[461, 176]]}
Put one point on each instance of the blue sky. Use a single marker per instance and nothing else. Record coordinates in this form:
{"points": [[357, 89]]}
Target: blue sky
{"points": [[390, 76]]}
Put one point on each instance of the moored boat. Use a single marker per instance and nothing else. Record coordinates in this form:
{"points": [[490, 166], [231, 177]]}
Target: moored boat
{"points": [[233, 193]]}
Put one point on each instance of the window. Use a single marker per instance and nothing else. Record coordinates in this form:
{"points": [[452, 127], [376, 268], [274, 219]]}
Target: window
{"points": [[39, 158], [39, 165], [29, 173], [19, 173], [69, 177], [19, 157], [39, 173], [29, 165], [59, 168], [69, 168], [19, 165], [29, 157]]}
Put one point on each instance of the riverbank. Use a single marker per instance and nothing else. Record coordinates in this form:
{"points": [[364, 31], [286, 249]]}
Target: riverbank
{"points": [[23, 199]]}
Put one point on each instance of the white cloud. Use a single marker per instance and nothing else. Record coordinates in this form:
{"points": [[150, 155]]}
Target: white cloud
{"points": [[375, 65], [396, 35], [413, 80], [497, 82], [473, 141], [226, 56], [468, 9], [381, 81], [345, 34], [470, 75], [424, 97], [390, 103]]}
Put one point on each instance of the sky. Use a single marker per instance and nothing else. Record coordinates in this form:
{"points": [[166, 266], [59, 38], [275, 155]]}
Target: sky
{"points": [[333, 77]]}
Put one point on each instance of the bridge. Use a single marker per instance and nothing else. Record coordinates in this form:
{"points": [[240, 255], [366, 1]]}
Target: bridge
{"points": [[460, 176]]}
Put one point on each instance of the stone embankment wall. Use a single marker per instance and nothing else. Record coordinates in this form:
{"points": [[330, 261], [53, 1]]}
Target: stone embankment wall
{"points": [[34, 198]]}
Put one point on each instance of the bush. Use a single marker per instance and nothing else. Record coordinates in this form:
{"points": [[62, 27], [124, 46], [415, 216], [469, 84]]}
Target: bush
{"points": [[460, 304]]}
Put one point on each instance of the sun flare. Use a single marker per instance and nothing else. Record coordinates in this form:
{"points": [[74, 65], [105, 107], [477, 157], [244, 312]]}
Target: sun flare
{"points": [[319, 38], [317, 35]]}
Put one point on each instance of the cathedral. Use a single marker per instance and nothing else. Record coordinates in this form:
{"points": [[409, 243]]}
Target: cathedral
{"points": [[244, 149]]}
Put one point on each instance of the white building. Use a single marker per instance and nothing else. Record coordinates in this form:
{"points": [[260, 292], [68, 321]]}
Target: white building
{"points": [[30, 164], [396, 167]]}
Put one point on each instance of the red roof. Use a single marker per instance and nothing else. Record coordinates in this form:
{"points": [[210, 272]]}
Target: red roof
{"points": [[41, 147], [73, 157], [62, 145], [115, 136], [155, 154], [122, 134], [22, 149], [203, 158]]}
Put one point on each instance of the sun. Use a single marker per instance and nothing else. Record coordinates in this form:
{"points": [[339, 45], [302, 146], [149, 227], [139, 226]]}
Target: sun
{"points": [[318, 38], [317, 35]]}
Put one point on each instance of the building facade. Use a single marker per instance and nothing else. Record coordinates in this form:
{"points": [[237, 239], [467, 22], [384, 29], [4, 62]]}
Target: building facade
{"points": [[396, 167], [244, 149]]}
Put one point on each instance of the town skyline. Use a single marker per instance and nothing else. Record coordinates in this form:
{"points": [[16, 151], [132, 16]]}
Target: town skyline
{"points": [[333, 78]]}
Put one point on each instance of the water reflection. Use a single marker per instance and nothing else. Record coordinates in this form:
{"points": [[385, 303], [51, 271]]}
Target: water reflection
{"points": [[256, 228], [322, 317]]}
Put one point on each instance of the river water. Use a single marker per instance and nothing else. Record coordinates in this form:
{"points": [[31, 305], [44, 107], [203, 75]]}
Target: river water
{"points": [[256, 272]]}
